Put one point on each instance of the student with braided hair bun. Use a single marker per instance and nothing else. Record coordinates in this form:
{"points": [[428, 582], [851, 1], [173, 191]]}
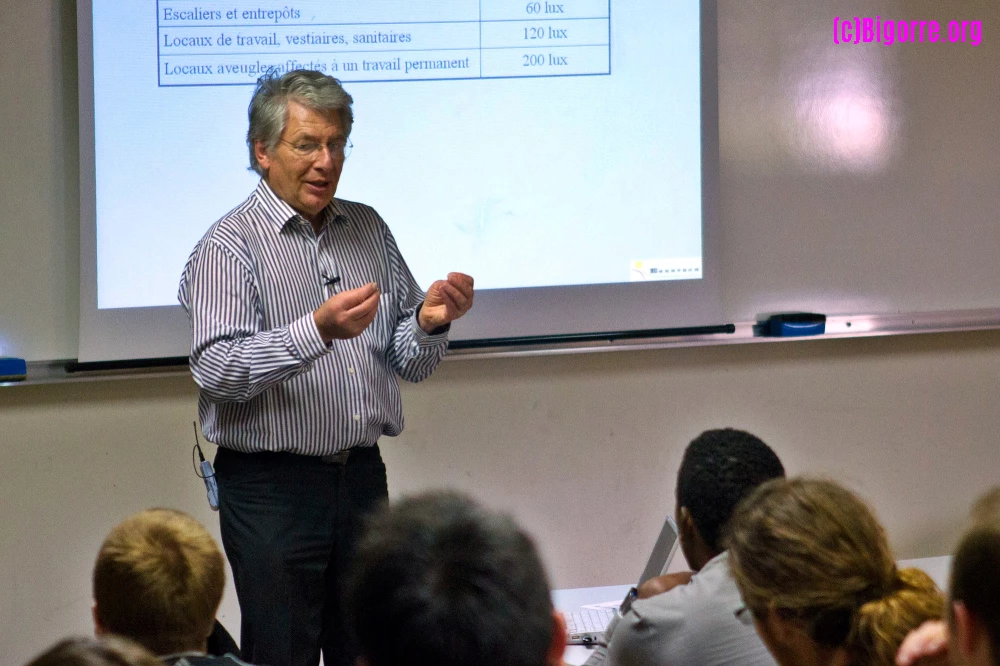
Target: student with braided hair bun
{"points": [[814, 568]]}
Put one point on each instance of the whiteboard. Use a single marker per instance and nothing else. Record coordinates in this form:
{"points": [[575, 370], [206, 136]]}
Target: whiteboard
{"points": [[857, 178]]}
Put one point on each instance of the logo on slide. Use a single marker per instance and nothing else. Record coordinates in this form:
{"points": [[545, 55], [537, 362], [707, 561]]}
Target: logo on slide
{"points": [[677, 268]]}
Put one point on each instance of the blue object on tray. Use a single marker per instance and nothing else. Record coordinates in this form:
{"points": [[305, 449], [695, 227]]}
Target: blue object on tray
{"points": [[13, 369], [794, 324]]}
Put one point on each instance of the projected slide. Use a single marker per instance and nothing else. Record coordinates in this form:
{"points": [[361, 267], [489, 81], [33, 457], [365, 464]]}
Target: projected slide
{"points": [[529, 144], [458, 40]]}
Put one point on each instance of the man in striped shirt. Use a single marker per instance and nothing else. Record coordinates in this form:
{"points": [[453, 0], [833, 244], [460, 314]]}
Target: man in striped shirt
{"points": [[303, 313]]}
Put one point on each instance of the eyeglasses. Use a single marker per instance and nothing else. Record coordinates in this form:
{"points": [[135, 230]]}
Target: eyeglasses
{"points": [[312, 149]]}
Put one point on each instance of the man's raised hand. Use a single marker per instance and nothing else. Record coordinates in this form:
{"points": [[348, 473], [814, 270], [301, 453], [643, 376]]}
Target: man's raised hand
{"points": [[347, 314], [446, 301]]}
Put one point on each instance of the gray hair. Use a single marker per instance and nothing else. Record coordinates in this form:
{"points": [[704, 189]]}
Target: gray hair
{"points": [[269, 105]]}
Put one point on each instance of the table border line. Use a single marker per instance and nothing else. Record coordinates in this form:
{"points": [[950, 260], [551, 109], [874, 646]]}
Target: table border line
{"points": [[468, 48], [454, 78], [306, 25]]}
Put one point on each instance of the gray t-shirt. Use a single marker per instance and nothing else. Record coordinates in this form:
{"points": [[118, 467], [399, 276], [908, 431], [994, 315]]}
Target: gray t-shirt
{"points": [[691, 625]]}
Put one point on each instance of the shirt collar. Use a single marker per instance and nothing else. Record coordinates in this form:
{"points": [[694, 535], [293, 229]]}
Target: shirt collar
{"points": [[720, 560], [280, 214]]}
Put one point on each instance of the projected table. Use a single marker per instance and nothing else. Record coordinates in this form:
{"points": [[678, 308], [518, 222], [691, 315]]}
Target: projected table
{"points": [[206, 43]]}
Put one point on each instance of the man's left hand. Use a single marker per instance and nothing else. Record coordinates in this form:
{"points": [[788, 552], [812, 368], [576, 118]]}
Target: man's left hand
{"points": [[446, 301]]}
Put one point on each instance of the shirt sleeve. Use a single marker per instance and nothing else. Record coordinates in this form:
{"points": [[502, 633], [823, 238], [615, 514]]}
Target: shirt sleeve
{"points": [[413, 353], [232, 359]]}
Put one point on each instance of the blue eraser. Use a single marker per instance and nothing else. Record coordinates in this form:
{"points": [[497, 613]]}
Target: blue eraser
{"points": [[795, 324], [13, 369]]}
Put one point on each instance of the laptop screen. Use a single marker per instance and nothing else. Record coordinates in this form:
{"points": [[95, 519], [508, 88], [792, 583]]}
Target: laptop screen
{"points": [[663, 551]]}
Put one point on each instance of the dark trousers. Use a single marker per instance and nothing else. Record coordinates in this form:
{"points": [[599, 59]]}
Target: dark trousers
{"points": [[289, 526]]}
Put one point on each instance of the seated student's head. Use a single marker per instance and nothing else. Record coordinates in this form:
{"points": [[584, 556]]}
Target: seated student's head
{"points": [[986, 511], [814, 569], [158, 580], [441, 580], [974, 616], [719, 468], [106, 651]]}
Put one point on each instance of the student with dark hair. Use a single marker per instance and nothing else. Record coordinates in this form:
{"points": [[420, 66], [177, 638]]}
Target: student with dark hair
{"points": [[107, 651], [719, 468], [975, 599], [972, 635], [440, 580], [690, 618]]}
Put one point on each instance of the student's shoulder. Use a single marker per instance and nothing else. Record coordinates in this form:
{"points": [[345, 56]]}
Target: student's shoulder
{"points": [[672, 604]]}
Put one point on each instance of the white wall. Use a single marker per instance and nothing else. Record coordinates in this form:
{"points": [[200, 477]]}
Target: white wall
{"points": [[582, 449]]}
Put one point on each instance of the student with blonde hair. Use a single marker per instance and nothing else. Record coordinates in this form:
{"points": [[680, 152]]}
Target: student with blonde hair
{"points": [[816, 573], [158, 580]]}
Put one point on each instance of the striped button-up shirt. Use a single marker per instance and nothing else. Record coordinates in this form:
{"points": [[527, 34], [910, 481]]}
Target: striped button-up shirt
{"points": [[268, 381]]}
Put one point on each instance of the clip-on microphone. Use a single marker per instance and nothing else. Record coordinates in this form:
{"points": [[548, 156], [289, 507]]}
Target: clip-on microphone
{"points": [[207, 473]]}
